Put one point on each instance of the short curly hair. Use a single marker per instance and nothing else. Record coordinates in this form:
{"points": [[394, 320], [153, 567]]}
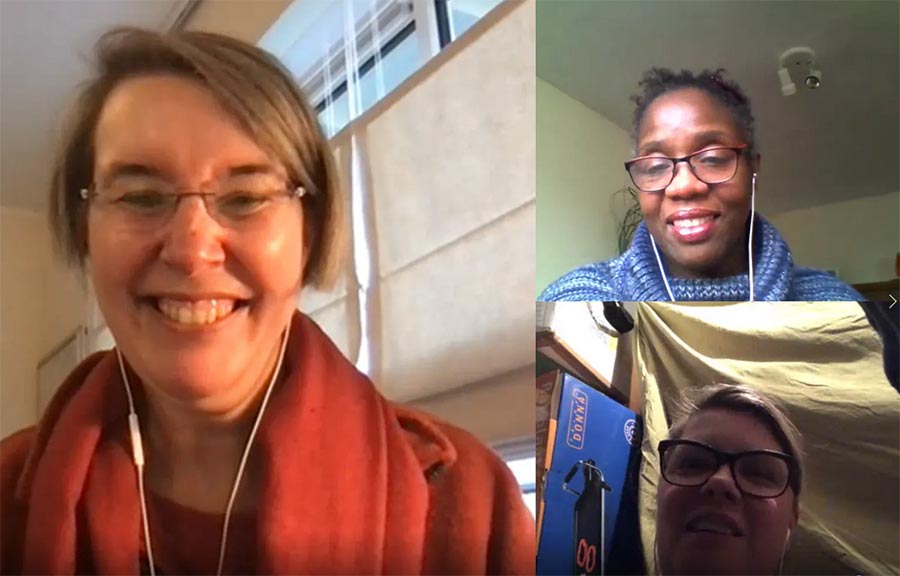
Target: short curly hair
{"points": [[658, 81]]}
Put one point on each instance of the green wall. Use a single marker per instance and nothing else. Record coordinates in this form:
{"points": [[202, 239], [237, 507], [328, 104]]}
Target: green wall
{"points": [[579, 168]]}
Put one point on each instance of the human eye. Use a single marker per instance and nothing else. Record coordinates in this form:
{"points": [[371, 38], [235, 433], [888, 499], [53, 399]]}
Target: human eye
{"points": [[715, 158], [688, 458], [763, 469], [140, 197], [242, 203], [654, 166], [691, 463]]}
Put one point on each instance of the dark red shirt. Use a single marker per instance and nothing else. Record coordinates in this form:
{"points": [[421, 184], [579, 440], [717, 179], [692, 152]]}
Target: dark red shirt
{"points": [[187, 541]]}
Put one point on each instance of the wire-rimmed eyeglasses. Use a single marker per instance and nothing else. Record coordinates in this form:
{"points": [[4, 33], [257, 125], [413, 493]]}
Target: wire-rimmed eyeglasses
{"points": [[760, 473], [711, 166], [140, 205]]}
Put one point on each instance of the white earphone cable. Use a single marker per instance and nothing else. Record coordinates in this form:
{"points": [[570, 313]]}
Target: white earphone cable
{"points": [[138, 455], [240, 472], [784, 551], [656, 567], [662, 271], [137, 449], [750, 242]]}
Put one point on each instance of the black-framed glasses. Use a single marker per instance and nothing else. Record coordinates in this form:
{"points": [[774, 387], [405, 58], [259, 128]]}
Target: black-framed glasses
{"points": [[761, 473], [712, 166]]}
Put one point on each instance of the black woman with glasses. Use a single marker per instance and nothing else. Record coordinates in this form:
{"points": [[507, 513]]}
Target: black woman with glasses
{"points": [[695, 169], [728, 496]]}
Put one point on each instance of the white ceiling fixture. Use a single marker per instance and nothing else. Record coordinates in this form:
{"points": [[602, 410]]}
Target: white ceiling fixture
{"points": [[837, 143], [800, 60]]}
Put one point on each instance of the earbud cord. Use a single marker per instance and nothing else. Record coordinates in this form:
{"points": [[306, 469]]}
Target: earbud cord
{"points": [[137, 449], [783, 552], [138, 452], [240, 472], [662, 270], [656, 558], [750, 243]]}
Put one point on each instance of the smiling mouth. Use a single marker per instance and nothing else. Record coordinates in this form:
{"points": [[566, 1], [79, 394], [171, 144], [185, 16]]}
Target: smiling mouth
{"points": [[711, 526], [197, 312], [692, 222], [692, 228]]}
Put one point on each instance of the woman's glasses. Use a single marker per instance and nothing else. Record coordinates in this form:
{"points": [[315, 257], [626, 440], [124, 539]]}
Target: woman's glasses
{"points": [[761, 473], [712, 166], [142, 204]]}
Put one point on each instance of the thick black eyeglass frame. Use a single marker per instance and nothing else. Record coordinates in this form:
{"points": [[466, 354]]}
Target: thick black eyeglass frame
{"points": [[739, 150], [729, 458]]}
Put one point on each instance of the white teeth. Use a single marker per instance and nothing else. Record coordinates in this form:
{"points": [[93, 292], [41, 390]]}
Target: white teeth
{"points": [[711, 526], [195, 312], [691, 222]]}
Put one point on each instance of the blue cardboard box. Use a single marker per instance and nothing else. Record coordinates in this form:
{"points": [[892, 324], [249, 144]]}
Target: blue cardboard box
{"points": [[588, 503]]}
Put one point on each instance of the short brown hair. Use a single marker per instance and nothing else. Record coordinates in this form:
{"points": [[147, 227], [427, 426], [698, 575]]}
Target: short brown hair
{"points": [[747, 400], [250, 84]]}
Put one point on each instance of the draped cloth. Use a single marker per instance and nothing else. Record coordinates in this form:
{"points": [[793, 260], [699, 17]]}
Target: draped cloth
{"points": [[822, 363]]}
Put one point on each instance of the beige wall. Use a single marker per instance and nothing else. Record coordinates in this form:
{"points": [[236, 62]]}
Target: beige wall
{"points": [[41, 304], [23, 244], [579, 168], [497, 411], [818, 237], [63, 301]]}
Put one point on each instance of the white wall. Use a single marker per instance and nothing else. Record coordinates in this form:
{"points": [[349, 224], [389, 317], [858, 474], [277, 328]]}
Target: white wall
{"points": [[246, 20], [860, 238], [579, 168]]}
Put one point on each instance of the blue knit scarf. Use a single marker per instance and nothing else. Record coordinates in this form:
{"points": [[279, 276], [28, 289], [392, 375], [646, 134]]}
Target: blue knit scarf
{"points": [[635, 276]]}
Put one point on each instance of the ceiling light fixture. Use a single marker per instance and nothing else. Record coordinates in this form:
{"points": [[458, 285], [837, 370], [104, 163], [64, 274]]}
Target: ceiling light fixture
{"points": [[800, 60]]}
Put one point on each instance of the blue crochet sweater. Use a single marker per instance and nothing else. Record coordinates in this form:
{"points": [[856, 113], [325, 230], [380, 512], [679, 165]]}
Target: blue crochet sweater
{"points": [[635, 276]]}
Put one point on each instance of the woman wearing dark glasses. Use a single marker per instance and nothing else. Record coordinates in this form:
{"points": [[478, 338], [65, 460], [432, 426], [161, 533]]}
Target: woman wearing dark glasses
{"points": [[728, 496], [696, 169]]}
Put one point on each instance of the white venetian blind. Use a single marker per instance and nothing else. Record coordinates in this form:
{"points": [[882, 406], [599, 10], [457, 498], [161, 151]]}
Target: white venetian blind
{"points": [[450, 172]]}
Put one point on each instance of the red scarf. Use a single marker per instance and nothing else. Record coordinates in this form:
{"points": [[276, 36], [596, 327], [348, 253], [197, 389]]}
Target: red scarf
{"points": [[342, 491]]}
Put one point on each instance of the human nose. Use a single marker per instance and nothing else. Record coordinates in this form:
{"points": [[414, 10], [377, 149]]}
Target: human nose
{"points": [[685, 183], [722, 483], [193, 239]]}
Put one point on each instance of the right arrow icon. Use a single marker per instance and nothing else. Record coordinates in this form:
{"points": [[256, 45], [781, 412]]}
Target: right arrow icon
{"points": [[893, 301]]}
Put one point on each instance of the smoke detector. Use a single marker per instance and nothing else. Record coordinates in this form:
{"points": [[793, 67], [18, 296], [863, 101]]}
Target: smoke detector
{"points": [[798, 62]]}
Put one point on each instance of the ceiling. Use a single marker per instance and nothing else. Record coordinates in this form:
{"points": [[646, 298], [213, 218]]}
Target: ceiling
{"points": [[835, 143], [45, 51]]}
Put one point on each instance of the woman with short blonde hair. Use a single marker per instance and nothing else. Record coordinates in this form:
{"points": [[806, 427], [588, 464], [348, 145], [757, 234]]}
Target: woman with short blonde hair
{"points": [[226, 433], [729, 492]]}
